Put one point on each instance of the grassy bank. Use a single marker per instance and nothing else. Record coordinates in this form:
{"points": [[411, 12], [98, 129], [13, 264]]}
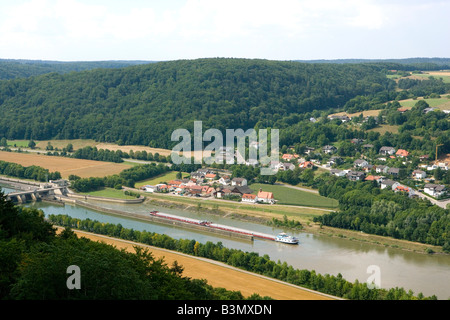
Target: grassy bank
{"points": [[296, 197], [108, 193]]}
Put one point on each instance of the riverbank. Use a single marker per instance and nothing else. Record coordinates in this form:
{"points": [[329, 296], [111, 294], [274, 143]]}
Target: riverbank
{"points": [[268, 212], [218, 274], [262, 214]]}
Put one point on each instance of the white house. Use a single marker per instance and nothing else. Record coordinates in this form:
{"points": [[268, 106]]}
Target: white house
{"points": [[266, 197], [419, 174], [329, 149], [249, 198], [387, 150], [382, 169], [360, 163], [435, 190], [149, 188], [339, 173], [387, 183], [239, 182], [224, 180], [288, 166]]}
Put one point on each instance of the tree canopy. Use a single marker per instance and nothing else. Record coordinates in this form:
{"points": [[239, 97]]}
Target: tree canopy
{"points": [[143, 104]]}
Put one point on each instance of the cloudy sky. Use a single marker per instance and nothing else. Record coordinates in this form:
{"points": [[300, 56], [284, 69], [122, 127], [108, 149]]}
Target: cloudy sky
{"points": [[89, 30]]}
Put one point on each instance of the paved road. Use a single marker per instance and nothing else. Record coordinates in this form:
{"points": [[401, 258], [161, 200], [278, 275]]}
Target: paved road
{"points": [[440, 203]]}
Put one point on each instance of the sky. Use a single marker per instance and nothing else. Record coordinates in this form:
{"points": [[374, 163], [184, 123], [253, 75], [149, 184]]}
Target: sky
{"points": [[162, 30]]}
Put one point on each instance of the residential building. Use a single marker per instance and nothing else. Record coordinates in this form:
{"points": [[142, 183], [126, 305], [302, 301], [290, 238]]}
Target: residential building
{"points": [[240, 190], [343, 118], [381, 169], [402, 153], [339, 173], [394, 171], [289, 157], [224, 180], [306, 165], [210, 176], [360, 163], [402, 188], [374, 178], [266, 197], [287, 166], [335, 160], [150, 188], [329, 149], [249, 198], [390, 184], [435, 190], [239, 182], [356, 175], [387, 151], [419, 174]]}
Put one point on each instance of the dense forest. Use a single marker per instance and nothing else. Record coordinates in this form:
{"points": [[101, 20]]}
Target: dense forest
{"points": [[143, 104], [363, 206], [407, 64], [34, 260], [12, 69]]}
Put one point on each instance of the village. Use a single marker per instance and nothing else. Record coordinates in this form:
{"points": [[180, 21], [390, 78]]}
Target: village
{"points": [[208, 183]]}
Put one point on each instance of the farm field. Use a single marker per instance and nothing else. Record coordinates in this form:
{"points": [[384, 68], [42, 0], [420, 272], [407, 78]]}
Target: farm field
{"points": [[444, 74], [66, 166], [382, 129], [217, 274], [81, 143], [365, 113], [296, 197], [442, 103]]}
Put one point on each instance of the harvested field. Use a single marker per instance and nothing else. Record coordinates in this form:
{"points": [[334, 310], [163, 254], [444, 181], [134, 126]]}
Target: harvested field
{"points": [[127, 149], [163, 152], [366, 113], [66, 166], [217, 274]]}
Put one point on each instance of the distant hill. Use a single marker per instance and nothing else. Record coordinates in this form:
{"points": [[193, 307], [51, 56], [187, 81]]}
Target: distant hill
{"points": [[143, 104], [11, 69], [402, 64]]}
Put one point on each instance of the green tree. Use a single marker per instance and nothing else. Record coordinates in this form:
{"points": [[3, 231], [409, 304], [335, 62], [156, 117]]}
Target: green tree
{"points": [[31, 144]]}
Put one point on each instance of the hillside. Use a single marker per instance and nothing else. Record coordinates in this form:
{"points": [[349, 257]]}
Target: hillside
{"points": [[12, 69], [143, 104]]}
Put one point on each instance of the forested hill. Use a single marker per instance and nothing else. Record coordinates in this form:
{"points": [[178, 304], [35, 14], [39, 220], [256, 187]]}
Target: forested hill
{"points": [[12, 69], [144, 104], [408, 64]]}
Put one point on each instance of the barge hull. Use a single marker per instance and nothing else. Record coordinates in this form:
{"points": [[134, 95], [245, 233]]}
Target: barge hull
{"points": [[209, 227]]}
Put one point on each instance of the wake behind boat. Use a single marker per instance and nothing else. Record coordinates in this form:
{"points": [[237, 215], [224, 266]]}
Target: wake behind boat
{"points": [[284, 238]]}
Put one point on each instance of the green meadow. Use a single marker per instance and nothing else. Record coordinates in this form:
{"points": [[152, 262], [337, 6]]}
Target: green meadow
{"points": [[290, 196]]}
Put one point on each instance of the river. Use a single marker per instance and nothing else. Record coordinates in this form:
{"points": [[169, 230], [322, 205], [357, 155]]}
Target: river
{"points": [[429, 274]]}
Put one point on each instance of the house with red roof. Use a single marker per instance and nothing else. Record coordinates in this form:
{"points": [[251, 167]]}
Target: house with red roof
{"points": [[266, 197], [402, 153], [249, 198]]}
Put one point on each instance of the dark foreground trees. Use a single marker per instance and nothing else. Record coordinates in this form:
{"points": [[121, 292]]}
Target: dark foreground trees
{"points": [[34, 261]]}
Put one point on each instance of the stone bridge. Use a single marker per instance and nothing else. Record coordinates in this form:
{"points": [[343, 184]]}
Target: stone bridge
{"points": [[36, 194]]}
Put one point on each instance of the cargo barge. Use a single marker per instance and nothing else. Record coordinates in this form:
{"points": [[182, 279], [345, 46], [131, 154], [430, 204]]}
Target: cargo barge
{"points": [[212, 227]]}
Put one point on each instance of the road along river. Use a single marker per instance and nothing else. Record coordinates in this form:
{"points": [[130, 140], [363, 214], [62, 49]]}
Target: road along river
{"points": [[429, 274]]}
